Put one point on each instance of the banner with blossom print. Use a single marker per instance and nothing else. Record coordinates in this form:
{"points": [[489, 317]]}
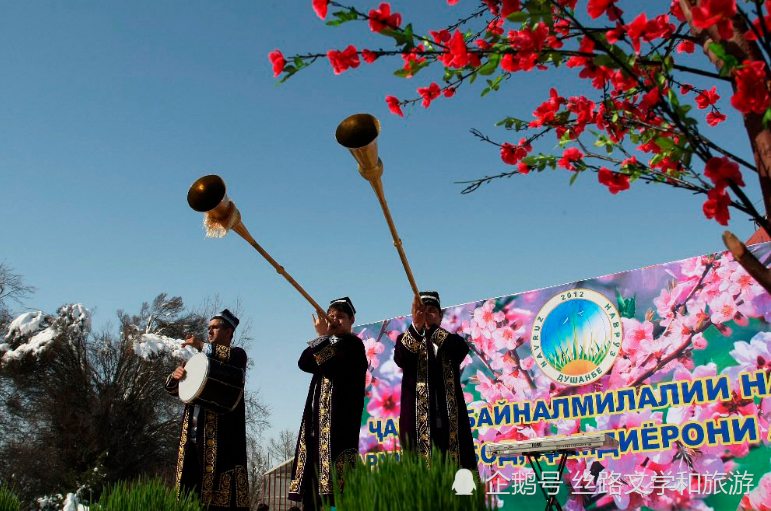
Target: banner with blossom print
{"points": [[672, 360]]}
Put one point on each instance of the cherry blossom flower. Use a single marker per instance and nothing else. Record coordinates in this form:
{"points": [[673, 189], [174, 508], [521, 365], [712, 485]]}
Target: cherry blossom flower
{"points": [[755, 356], [373, 348], [385, 401], [504, 338], [636, 333], [759, 499], [724, 308]]}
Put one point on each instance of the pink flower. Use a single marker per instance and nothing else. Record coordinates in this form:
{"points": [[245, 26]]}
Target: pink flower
{"points": [[738, 282], [487, 388], [368, 379], [277, 59], [372, 349], [759, 499], [755, 356], [636, 333], [723, 309], [385, 401], [504, 338], [486, 318]]}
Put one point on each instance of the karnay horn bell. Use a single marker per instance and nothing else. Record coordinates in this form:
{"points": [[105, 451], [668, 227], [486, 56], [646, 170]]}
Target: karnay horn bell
{"points": [[358, 133], [208, 196]]}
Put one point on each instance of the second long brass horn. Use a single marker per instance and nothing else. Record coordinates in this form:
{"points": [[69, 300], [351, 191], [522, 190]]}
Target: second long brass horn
{"points": [[208, 195], [358, 133]]}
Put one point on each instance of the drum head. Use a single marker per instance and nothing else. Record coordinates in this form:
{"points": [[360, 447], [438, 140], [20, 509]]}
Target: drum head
{"points": [[194, 380]]}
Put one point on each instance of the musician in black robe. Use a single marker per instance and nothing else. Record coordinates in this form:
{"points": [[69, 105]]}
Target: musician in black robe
{"points": [[211, 460], [329, 432], [433, 410]]}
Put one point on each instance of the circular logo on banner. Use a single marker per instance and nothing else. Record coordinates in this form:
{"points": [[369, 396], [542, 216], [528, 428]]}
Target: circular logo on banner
{"points": [[576, 337]]}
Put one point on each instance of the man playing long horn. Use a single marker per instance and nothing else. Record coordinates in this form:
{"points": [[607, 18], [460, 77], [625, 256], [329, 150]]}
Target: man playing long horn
{"points": [[329, 433], [433, 411], [212, 447]]}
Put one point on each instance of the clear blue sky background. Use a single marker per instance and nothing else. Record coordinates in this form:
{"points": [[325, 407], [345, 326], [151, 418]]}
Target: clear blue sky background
{"points": [[110, 110]]}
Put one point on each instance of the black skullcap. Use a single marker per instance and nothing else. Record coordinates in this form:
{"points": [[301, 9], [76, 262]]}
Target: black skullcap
{"points": [[345, 305], [228, 317], [430, 298]]}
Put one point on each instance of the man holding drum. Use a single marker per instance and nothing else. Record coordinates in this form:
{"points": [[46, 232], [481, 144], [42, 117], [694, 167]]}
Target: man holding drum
{"points": [[212, 446], [329, 433], [433, 410]]}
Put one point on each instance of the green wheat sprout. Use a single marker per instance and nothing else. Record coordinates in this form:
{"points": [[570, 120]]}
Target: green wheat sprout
{"points": [[573, 349]]}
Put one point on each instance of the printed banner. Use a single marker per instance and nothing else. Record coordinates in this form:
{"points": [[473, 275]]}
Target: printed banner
{"points": [[673, 361]]}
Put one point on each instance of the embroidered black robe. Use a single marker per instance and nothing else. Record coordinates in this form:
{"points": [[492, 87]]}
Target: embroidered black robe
{"points": [[216, 464], [432, 408], [329, 432]]}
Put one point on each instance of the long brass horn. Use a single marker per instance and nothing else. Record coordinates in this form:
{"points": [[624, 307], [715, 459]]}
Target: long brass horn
{"points": [[358, 133], [208, 196]]}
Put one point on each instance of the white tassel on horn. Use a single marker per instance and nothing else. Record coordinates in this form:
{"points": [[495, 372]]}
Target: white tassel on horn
{"points": [[219, 227]]}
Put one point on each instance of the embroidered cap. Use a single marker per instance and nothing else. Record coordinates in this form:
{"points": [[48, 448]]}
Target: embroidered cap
{"points": [[228, 317], [344, 304], [430, 298]]}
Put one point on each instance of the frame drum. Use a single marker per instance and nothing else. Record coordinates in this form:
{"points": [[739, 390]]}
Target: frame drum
{"points": [[211, 384]]}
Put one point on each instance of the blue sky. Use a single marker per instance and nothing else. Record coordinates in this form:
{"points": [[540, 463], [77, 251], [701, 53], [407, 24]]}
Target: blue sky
{"points": [[111, 110]]}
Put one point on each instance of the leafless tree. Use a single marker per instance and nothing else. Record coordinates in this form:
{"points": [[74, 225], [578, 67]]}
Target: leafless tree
{"points": [[88, 410]]}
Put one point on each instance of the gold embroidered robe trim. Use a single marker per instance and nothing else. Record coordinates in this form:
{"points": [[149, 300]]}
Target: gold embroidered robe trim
{"points": [[452, 408], [221, 497], [410, 342], [220, 352], [209, 456], [242, 487], [325, 354], [181, 451], [345, 458], [294, 486], [438, 337], [325, 433], [422, 425], [422, 415]]}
